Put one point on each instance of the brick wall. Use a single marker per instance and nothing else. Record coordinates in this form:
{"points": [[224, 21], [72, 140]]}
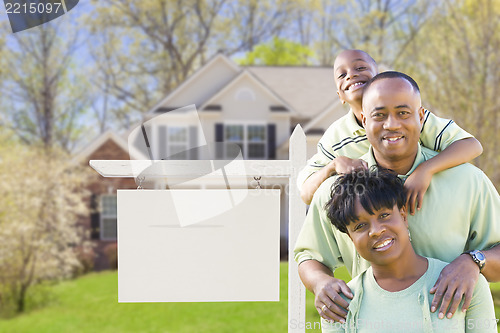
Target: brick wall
{"points": [[98, 185]]}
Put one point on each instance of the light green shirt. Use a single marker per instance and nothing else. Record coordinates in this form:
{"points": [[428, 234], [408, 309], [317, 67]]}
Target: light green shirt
{"points": [[376, 310], [346, 138], [460, 211]]}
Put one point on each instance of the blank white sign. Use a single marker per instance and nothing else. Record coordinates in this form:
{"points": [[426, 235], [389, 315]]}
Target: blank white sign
{"points": [[233, 255]]}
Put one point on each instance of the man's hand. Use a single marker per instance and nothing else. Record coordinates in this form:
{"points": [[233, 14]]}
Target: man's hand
{"points": [[346, 165], [456, 280], [328, 302], [416, 185]]}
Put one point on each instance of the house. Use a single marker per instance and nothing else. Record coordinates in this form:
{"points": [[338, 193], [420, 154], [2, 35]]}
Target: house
{"points": [[254, 107]]}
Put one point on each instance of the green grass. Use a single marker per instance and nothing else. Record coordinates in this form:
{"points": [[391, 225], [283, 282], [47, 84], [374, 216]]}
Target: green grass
{"points": [[89, 304]]}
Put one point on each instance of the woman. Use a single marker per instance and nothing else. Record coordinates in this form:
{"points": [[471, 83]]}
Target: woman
{"points": [[393, 294]]}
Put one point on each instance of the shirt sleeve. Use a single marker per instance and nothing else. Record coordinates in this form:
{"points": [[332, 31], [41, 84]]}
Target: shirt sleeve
{"points": [[438, 133], [485, 215], [316, 239], [480, 316], [316, 162]]}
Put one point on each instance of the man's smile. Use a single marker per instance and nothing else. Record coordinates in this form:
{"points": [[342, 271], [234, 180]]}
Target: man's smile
{"points": [[393, 138]]}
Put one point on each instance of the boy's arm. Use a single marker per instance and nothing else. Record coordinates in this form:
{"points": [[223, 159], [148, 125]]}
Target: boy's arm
{"points": [[341, 164], [458, 152]]}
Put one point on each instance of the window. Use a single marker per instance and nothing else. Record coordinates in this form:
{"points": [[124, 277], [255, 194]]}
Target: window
{"points": [[173, 140], [177, 142], [108, 217], [250, 138]]}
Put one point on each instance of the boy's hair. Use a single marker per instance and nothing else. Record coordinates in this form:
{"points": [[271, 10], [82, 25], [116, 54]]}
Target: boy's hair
{"points": [[375, 188], [391, 75], [370, 58]]}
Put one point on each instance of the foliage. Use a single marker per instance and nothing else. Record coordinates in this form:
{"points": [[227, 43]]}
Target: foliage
{"points": [[42, 197], [111, 252], [45, 93], [455, 60], [278, 52], [167, 40]]}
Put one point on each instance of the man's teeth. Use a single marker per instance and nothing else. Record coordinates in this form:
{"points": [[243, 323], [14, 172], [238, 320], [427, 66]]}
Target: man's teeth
{"points": [[393, 139], [386, 242]]}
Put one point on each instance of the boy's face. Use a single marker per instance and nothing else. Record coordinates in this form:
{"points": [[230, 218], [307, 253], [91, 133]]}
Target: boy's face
{"points": [[382, 237], [352, 69], [393, 117]]}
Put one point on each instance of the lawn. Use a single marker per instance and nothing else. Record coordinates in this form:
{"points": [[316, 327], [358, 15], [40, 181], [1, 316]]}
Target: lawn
{"points": [[89, 304]]}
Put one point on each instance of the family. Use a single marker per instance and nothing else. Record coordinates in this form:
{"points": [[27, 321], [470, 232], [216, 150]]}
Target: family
{"points": [[393, 199]]}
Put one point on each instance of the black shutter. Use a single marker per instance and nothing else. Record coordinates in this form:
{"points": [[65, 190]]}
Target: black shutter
{"points": [[193, 143], [162, 135], [95, 218], [271, 141], [219, 139]]}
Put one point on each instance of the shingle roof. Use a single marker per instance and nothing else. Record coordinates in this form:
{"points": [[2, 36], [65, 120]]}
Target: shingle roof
{"points": [[309, 90]]}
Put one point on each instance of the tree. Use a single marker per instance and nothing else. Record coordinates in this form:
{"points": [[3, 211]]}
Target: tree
{"points": [[46, 94], [278, 52], [145, 49], [383, 28], [455, 60], [42, 198]]}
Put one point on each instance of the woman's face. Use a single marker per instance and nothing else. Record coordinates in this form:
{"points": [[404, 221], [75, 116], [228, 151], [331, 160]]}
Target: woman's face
{"points": [[380, 238]]}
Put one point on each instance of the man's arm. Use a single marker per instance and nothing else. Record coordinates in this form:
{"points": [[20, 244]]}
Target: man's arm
{"points": [[458, 280], [491, 270], [341, 164], [318, 279]]}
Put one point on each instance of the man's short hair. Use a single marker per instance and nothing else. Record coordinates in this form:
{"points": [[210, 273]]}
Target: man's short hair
{"points": [[375, 188], [391, 75]]}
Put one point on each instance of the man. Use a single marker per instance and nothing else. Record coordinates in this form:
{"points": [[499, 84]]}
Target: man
{"points": [[461, 210]]}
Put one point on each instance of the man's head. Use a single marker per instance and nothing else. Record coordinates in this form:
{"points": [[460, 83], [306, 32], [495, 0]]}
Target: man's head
{"points": [[392, 117], [369, 205], [352, 69]]}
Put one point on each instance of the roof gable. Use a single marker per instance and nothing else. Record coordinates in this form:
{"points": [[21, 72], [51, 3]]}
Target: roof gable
{"points": [[246, 75], [98, 143], [308, 90], [200, 86]]}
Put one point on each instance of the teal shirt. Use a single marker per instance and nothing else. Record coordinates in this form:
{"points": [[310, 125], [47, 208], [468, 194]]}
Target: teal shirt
{"points": [[374, 309], [461, 211]]}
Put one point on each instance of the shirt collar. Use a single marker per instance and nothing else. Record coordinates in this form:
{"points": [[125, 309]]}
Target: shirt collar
{"points": [[370, 159], [352, 124]]}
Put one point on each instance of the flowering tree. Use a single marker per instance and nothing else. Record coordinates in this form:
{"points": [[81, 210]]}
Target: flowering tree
{"points": [[42, 197]]}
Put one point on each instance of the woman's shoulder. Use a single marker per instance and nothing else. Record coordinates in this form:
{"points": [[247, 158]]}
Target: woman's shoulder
{"points": [[435, 266]]}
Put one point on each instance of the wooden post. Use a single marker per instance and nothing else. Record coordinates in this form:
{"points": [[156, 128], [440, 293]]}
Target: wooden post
{"points": [[296, 216]]}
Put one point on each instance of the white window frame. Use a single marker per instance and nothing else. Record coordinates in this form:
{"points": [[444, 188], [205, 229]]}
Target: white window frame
{"points": [[103, 216], [184, 144], [245, 140]]}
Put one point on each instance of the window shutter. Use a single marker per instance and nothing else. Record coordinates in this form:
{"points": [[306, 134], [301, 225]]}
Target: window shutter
{"points": [[219, 138], [193, 143], [271, 141], [162, 135], [94, 218]]}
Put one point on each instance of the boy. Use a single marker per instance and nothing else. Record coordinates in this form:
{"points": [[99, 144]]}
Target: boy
{"points": [[345, 140]]}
